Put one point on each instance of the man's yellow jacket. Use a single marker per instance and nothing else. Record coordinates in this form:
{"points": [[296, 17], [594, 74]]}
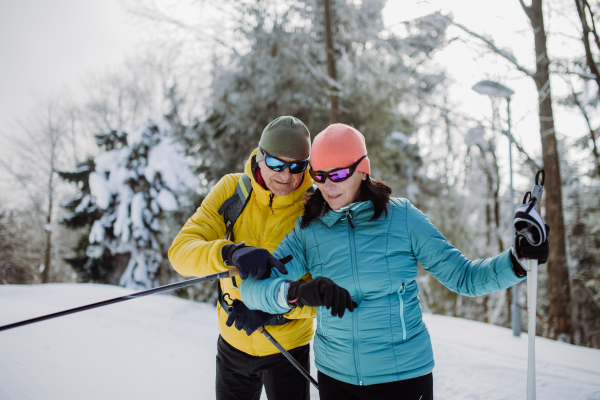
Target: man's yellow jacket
{"points": [[266, 219]]}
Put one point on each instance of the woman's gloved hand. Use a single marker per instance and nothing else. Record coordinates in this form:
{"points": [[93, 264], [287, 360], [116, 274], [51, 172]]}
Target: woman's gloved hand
{"points": [[321, 291], [524, 249], [253, 262]]}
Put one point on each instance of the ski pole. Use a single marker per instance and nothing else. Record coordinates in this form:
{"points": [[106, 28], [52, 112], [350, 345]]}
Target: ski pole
{"points": [[532, 269], [288, 356], [532, 273], [226, 274]]}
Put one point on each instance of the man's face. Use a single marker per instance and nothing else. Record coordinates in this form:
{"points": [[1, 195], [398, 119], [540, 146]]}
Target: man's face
{"points": [[280, 183]]}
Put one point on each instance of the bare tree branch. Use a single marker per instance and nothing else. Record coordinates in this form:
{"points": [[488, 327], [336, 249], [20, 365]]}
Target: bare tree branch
{"points": [[589, 58], [592, 131], [152, 13], [492, 46]]}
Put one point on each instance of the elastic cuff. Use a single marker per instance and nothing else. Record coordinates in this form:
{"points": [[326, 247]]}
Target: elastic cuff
{"points": [[228, 250], [282, 295], [517, 267], [224, 251]]}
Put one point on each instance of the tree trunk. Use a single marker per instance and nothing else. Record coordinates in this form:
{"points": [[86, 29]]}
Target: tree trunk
{"points": [[559, 313], [582, 8], [334, 112], [48, 227]]}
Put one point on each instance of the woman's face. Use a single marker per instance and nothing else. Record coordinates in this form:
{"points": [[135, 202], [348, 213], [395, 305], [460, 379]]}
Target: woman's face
{"points": [[341, 194]]}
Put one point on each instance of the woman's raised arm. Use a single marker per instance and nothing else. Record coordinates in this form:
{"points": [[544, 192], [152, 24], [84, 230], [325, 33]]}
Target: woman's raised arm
{"points": [[450, 267]]}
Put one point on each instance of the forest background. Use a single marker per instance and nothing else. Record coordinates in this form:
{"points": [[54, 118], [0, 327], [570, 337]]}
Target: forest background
{"points": [[97, 179]]}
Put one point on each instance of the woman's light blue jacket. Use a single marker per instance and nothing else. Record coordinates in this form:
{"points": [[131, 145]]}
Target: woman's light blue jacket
{"points": [[384, 339]]}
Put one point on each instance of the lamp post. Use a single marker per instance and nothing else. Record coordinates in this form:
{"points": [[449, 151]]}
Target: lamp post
{"points": [[495, 89]]}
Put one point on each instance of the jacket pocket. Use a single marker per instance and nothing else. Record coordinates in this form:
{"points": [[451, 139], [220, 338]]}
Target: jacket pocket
{"points": [[400, 292]]}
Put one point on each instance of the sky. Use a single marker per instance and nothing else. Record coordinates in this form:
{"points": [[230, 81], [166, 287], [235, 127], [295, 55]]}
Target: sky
{"points": [[48, 47]]}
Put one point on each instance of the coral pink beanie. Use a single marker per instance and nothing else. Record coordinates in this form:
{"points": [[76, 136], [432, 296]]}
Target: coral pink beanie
{"points": [[339, 146]]}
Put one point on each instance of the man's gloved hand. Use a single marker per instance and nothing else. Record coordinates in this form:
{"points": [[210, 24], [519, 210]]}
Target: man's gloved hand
{"points": [[253, 262], [246, 319], [321, 291], [526, 250]]}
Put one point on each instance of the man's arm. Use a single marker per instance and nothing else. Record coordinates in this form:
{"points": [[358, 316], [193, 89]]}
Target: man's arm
{"points": [[196, 250]]}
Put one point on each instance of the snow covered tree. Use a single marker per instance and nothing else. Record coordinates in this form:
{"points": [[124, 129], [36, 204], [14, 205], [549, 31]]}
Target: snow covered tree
{"points": [[381, 83], [125, 192]]}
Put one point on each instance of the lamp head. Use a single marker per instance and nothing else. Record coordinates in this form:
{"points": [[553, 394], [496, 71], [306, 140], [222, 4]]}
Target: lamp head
{"points": [[491, 88]]}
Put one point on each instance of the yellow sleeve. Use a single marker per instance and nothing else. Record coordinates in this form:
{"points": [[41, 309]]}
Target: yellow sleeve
{"points": [[196, 250]]}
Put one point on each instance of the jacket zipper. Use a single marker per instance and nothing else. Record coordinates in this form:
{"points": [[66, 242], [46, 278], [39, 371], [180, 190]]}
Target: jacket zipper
{"points": [[271, 197], [355, 313], [262, 231], [400, 292], [264, 223]]}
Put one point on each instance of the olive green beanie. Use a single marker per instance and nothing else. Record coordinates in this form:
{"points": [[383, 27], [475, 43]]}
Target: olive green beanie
{"points": [[285, 137]]}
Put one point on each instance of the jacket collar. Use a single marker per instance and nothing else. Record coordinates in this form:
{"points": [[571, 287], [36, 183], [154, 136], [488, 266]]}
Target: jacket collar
{"points": [[263, 196], [360, 211]]}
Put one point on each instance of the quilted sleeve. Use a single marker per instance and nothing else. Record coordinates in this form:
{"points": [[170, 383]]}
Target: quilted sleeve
{"points": [[196, 250], [449, 266]]}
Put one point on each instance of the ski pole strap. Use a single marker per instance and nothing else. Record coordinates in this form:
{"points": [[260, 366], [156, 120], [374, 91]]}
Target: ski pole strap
{"points": [[279, 319], [528, 222]]}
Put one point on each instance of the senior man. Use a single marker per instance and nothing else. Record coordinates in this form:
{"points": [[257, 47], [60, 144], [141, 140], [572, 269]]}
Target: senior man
{"points": [[258, 207]]}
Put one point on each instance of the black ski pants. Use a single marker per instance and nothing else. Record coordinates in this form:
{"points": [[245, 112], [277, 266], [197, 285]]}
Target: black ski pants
{"points": [[420, 388], [241, 376]]}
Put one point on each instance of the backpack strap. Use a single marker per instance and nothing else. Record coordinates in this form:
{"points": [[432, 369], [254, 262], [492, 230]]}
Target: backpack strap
{"points": [[233, 206]]}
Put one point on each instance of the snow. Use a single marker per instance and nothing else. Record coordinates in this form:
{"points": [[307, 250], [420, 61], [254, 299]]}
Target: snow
{"points": [[100, 190], [96, 234], [138, 204], [167, 158], [160, 347], [167, 200]]}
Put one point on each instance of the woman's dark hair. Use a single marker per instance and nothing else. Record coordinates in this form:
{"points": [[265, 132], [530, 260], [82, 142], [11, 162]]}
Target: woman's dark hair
{"points": [[370, 189]]}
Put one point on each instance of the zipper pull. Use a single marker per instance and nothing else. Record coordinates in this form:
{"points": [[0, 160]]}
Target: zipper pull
{"points": [[272, 196], [349, 216], [402, 289]]}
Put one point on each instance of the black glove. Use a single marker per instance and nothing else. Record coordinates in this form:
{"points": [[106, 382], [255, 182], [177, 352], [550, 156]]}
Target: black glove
{"points": [[253, 262], [525, 250], [246, 319], [321, 291]]}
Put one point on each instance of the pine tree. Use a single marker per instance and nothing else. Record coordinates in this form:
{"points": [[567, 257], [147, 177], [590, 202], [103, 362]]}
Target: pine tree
{"points": [[125, 192]]}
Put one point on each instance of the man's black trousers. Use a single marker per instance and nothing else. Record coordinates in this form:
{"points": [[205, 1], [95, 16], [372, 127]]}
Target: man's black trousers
{"points": [[420, 388], [241, 376]]}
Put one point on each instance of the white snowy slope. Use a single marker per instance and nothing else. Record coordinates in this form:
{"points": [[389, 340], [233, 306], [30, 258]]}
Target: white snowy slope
{"points": [[161, 347]]}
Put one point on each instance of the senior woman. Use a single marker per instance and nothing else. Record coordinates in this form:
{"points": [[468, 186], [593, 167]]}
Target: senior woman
{"points": [[362, 248]]}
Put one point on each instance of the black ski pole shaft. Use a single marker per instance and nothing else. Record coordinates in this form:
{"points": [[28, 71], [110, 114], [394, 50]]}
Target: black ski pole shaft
{"points": [[288, 356], [160, 289]]}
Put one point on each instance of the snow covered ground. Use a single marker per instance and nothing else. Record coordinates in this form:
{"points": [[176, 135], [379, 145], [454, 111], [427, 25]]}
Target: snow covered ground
{"points": [[162, 347]]}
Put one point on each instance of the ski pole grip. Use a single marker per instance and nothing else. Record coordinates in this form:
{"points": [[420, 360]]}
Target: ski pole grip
{"points": [[260, 329], [234, 272]]}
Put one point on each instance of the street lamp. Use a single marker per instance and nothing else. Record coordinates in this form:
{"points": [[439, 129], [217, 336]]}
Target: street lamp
{"points": [[495, 89]]}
